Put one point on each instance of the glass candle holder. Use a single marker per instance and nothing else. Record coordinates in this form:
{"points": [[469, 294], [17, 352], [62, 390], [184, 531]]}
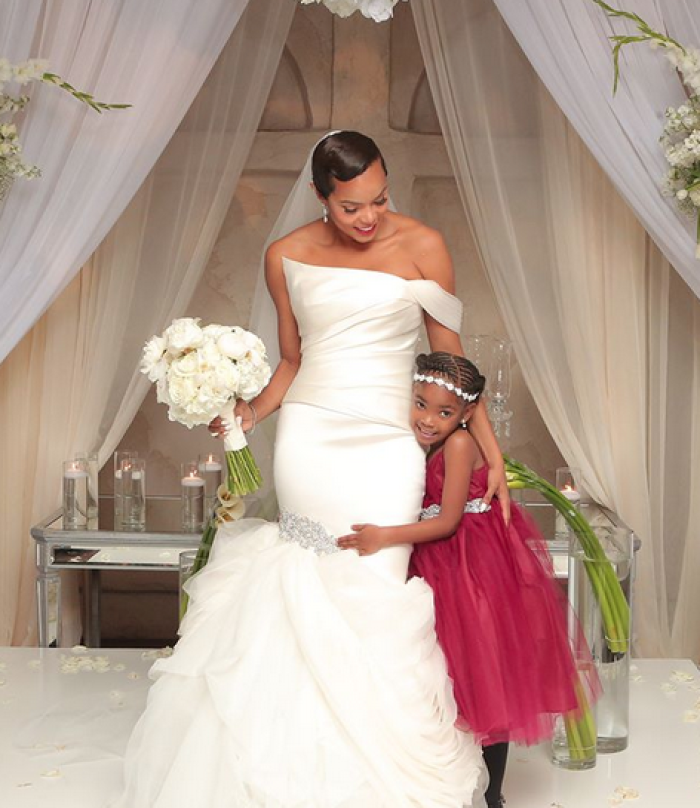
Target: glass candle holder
{"points": [[132, 504], [211, 470], [192, 498], [119, 457], [93, 470], [568, 481], [75, 495]]}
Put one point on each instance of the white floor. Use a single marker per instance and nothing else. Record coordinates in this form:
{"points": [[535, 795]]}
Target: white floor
{"points": [[48, 765]]}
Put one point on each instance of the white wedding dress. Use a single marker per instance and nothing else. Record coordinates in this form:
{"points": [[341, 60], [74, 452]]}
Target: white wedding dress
{"points": [[308, 677]]}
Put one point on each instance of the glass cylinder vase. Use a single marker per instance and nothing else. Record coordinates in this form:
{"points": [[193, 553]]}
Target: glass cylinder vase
{"points": [[93, 470], [119, 457], [132, 505], [192, 498], [75, 495], [211, 471], [605, 621]]}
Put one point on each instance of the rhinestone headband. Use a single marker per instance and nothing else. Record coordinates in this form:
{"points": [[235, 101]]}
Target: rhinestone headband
{"points": [[420, 377]]}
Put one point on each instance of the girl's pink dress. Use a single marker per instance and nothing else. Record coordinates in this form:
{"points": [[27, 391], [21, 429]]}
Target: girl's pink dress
{"points": [[501, 619]]}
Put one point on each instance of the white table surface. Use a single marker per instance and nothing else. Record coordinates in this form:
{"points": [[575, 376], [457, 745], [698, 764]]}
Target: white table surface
{"points": [[55, 768]]}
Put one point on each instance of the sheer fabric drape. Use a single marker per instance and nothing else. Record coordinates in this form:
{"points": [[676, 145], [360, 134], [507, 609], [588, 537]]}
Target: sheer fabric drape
{"points": [[72, 383], [153, 55], [594, 310], [567, 43]]}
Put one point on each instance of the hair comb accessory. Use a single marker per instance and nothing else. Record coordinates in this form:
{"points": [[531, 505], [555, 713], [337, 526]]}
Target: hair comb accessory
{"points": [[421, 377]]}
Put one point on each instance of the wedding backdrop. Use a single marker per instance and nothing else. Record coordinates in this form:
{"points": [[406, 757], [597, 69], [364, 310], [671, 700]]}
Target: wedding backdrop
{"points": [[560, 190]]}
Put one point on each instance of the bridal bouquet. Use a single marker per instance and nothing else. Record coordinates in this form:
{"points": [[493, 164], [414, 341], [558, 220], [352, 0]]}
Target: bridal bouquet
{"points": [[199, 372]]}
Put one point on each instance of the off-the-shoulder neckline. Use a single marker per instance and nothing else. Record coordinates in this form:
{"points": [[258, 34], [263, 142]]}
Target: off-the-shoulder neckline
{"points": [[362, 269]]}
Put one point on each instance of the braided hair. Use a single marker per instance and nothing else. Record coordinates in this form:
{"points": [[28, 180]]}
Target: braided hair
{"points": [[456, 369]]}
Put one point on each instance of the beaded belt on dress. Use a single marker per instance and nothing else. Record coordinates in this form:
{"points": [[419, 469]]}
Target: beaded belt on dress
{"points": [[473, 506], [306, 533]]}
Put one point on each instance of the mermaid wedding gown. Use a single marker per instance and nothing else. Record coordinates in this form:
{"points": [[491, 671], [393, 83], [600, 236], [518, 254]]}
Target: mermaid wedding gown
{"points": [[308, 677]]}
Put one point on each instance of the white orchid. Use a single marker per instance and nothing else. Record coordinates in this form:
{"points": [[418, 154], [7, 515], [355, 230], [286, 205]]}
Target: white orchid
{"points": [[680, 138], [12, 165]]}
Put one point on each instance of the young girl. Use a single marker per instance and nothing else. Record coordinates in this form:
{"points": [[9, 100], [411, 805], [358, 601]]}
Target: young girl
{"points": [[500, 617]]}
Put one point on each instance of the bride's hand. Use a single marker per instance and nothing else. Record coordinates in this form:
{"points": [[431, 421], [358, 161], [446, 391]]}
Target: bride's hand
{"points": [[498, 487], [220, 427], [245, 412], [367, 539]]}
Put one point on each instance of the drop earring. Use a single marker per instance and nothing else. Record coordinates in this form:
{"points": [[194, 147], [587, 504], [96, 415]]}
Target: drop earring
{"points": [[325, 215]]}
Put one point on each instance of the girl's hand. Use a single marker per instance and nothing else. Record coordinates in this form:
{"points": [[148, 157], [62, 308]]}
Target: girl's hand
{"points": [[499, 487], [367, 539]]}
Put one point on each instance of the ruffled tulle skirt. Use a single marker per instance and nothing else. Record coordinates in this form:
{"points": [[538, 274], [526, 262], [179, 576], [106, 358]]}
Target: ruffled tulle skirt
{"points": [[300, 681]]}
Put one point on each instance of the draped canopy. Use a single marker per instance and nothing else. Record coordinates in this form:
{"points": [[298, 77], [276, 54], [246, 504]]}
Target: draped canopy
{"points": [[554, 173]]}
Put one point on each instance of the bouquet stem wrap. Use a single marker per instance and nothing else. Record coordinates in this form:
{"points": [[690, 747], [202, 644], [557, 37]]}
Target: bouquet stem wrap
{"points": [[243, 473]]}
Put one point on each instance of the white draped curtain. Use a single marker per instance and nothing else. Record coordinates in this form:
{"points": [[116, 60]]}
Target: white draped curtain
{"points": [[567, 43], [72, 383], [154, 55], [605, 331]]}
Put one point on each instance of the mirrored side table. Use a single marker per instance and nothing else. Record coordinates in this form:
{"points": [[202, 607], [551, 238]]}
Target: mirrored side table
{"points": [[101, 547]]}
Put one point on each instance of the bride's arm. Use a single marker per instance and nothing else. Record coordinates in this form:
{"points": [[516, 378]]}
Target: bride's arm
{"points": [[290, 351], [290, 344], [435, 264]]}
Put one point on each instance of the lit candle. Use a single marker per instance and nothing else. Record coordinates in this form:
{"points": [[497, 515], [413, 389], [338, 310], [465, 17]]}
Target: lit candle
{"points": [[571, 494], [211, 463], [192, 502], [74, 472], [192, 480]]}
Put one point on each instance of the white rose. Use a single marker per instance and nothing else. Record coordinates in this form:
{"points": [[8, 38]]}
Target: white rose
{"points": [[226, 376], [682, 194], [378, 10], [233, 344], [162, 395], [342, 8], [187, 365], [214, 331], [182, 390], [183, 333], [152, 362]]}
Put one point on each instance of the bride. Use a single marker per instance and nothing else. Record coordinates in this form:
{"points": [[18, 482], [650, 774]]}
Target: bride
{"points": [[305, 676]]}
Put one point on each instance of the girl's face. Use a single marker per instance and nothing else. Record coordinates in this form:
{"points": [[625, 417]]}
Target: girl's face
{"points": [[357, 207], [435, 413]]}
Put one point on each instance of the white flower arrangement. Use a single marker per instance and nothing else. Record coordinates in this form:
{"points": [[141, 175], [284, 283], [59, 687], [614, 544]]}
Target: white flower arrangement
{"points": [[377, 10], [199, 372], [12, 163], [680, 138]]}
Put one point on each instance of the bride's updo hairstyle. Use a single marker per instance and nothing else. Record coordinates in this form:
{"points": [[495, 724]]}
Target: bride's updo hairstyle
{"points": [[456, 369], [342, 156]]}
